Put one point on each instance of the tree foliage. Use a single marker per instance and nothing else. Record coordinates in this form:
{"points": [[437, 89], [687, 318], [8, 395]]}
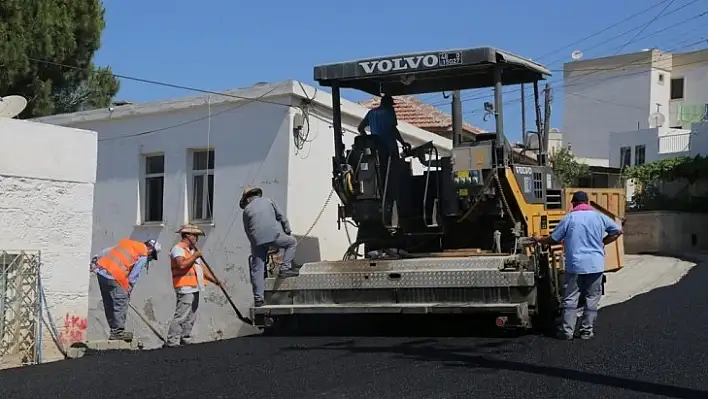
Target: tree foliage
{"points": [[568, 170], [46, 48], [650, 176], [690, 169]]}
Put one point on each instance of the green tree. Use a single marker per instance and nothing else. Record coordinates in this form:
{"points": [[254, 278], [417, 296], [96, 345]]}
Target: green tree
{"points": [[568, 170], [46, 48]]}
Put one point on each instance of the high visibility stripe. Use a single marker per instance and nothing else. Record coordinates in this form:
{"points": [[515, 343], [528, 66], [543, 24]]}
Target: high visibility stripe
{"points": [[120, 259]]}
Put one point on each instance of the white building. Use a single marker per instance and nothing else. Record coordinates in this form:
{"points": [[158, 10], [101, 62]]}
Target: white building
{"points": [[47, 176], [153, 176], [615, 96]]}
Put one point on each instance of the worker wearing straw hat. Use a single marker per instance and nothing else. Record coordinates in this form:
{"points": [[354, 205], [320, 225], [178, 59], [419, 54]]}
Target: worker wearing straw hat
{"points": [[266, 226], [188, 279]]}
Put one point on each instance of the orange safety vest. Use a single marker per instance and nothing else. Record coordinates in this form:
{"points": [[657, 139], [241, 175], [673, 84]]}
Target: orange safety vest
{"points": [[184, 277], [119, 260]]}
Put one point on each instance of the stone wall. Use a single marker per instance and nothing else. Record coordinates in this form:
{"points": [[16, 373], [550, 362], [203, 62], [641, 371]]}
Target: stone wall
{"points": [[665, 232]]}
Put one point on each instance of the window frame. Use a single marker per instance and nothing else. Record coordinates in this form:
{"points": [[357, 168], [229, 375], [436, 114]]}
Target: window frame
{"points": [[625, 161], [643, 147], [683, 89], [144, 194], [207, 211]]}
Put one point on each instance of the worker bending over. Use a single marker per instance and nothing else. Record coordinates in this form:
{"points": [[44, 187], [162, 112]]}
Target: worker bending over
{"points": [[188, 279], [266, 226], [117, 270], [582, 232]]}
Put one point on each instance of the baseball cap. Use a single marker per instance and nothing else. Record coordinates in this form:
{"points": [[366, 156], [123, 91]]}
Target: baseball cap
{"points": [[579, 196], [156, 247]]}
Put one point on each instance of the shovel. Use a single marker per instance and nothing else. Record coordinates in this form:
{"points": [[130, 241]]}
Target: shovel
{"points": [[226, 294]]}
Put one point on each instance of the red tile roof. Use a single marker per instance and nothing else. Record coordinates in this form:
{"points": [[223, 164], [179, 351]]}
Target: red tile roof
{"points": [[423, 115]]}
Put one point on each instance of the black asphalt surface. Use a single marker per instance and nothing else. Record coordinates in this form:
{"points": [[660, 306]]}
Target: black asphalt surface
{"points": [[651, 346]]}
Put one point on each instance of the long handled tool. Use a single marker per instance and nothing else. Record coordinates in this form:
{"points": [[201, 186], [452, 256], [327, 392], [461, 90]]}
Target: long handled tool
{"points": [[226, 294]]}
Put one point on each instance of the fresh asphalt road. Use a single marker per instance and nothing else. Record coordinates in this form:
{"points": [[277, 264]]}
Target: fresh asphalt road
{"points": [[651, 346]]}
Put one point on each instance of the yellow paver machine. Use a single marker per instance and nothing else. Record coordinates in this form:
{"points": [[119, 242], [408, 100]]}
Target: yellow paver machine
{"points": [[454, 239]]}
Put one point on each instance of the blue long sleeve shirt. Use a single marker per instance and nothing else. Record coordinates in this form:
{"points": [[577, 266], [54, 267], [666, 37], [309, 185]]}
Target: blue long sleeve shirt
{"points": [[134, 273]]}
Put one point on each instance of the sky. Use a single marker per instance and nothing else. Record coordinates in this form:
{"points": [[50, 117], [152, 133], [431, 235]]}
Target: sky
{"points": [[220, 44]]}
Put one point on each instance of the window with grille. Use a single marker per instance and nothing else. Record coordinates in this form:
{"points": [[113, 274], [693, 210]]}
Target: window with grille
{"points": [[202, 185]]}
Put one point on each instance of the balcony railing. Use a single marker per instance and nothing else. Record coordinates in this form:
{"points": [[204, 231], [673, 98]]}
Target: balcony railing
{"points": [[675, 143]]}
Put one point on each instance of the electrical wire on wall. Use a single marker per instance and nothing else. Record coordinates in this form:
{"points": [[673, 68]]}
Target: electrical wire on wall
{"points": [[301, 135]]}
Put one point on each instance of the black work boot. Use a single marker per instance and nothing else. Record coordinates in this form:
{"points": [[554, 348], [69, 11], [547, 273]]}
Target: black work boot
{"points": [[121, 335], [288, 273], [258, 303]]}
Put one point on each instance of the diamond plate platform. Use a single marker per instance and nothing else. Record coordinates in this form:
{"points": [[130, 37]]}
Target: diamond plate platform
{"points": [[481, 272]]}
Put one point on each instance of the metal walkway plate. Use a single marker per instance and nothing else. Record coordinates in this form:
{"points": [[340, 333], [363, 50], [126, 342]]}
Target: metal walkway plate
{"points": [[398, 308]]}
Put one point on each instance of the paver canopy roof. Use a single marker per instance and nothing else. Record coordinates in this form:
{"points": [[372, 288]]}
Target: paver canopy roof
{"points": [[431, 71]]}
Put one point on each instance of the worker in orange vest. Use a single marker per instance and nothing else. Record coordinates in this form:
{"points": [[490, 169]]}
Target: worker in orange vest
{"points": [[117, 270], [188, 279]]}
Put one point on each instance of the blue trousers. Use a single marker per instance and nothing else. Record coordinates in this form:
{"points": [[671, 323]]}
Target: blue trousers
{"points": [[575, 285]]}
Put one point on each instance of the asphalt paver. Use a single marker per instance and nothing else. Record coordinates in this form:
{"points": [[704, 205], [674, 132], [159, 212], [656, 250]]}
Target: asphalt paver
{"points": [[651, 346]]}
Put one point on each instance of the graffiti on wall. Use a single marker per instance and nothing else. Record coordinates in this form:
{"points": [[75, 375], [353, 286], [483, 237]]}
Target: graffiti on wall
{"points": [[74, 330]]}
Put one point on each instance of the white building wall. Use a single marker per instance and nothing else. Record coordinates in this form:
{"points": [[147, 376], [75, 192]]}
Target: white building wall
{"points": [[604, 102], [660, 143], [254, 146], [47, 176], [250, 149], [693, 67]]}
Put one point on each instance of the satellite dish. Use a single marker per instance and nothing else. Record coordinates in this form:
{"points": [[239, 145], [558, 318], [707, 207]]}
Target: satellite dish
{"points": [[576, 55], [11, 106], [657, 119]]}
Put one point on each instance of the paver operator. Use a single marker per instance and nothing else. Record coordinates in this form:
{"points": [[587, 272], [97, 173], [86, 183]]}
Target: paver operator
{"points": [[188, 278], [383, 124], [266, 226], [584, 233], [117, 270]]}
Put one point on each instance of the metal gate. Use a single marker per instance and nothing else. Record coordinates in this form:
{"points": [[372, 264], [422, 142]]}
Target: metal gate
{"points": [[20, 310]]}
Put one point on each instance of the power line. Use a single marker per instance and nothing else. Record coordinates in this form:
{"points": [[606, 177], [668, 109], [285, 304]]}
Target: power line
{"points": [[615, 37], [601, 31], [590, 70], [663, 10], [239, 105], [702, 60], [156, 82]]}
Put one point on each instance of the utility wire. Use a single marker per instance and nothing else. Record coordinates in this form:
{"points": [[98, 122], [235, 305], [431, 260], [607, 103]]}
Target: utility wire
{"points": [[613, 38], [599, 32], [589, 70], [157, 83], [663, 10]]}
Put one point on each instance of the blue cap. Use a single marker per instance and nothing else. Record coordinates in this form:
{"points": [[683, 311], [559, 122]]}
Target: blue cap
{"points": [[579, 196]]}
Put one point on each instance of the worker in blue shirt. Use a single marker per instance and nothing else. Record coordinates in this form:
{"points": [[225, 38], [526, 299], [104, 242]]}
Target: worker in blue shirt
{"points": [[584, 233], [383, 124]]}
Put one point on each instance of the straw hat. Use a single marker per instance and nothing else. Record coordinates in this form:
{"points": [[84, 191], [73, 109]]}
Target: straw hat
{"points": [[190, 229], [247, 193]]}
